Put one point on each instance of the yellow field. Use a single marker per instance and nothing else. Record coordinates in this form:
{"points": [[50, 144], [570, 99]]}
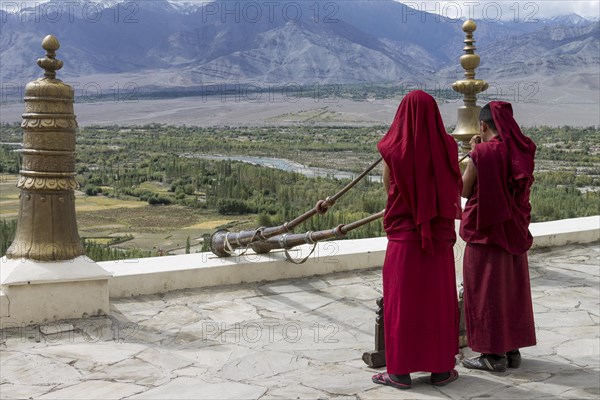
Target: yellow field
{"points": [[153, 227], [95, 203], [155, 187], [9, 200], [209, 224], [100, 240], [9, 196]]}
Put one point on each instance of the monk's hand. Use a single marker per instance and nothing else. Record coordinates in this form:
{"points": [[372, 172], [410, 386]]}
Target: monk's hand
{"points": [[475, 140]]}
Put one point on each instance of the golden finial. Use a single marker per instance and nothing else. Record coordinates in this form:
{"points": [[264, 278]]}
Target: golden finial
{"points": [[470, 60], [468, 115], [469, 26], [50, 64]]}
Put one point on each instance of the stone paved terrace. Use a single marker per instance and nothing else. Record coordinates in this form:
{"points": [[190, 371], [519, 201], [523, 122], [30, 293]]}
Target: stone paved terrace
{"points": [[294, 339]]}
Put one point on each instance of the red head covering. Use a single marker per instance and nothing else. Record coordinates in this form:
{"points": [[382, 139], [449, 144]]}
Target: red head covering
{"points": [[521, 149], [423, 163], [504, 178]]}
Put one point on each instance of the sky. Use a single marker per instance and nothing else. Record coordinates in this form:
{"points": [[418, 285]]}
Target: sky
{"points": [[501, 9]]}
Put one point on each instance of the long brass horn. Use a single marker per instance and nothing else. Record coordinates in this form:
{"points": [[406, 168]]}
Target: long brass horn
{"points": [[223, 243], [463, 157], [289, 240]]}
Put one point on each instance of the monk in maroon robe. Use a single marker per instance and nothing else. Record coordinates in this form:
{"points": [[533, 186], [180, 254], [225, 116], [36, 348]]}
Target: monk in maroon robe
{"points": [[423, 183], [495, 226]]}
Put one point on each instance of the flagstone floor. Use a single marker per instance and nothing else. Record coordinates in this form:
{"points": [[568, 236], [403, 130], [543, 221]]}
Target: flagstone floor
{"points": [[294, 339]]}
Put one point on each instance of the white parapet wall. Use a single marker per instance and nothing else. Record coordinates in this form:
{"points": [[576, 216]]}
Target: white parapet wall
{"points": [[566, 231], [4, 305], [36, 292], [163, 274]]}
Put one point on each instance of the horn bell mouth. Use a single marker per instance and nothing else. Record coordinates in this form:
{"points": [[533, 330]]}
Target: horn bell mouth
{"points": [[217, 243]]}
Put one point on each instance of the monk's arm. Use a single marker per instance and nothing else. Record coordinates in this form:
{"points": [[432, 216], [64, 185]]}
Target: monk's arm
{"points": [[386, 177], [468, 178]]}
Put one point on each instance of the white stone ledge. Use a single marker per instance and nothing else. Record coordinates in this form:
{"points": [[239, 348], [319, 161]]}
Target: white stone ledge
{"points": [[566, 231], [32, 272], [4, 305], [163, 274]]}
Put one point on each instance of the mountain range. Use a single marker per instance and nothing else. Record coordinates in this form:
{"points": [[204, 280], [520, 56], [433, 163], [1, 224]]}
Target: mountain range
{"points": [[164, 44]]}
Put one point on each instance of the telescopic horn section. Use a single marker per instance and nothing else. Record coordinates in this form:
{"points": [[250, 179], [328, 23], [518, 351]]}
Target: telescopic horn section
{"points": [[223, 243], [287, 241]]}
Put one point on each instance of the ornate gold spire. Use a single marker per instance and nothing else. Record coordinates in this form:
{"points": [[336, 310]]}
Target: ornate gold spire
{"points": [[50, 64], [467, 123], [46, 225]]}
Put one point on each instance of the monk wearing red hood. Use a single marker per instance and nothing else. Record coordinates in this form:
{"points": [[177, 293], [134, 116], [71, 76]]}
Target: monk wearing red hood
{"points": [[423, 183], [495, 225]]}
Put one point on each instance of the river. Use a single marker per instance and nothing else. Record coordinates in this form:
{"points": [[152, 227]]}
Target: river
{"points": [[285, 165]]}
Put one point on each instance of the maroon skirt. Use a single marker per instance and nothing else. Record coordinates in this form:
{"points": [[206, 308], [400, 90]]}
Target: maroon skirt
{"points": [[420, 308], [497, 296]]}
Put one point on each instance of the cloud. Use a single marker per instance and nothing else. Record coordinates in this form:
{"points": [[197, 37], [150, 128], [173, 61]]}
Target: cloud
{"points": [[507, 9]]}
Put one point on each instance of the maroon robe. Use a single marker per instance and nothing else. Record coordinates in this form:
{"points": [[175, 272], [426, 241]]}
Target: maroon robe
{"points": [[495, 225], [419, 284]]}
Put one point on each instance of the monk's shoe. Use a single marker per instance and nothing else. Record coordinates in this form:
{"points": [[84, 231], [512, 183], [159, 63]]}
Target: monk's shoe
{"points": [[513, 358], [486, 362]]}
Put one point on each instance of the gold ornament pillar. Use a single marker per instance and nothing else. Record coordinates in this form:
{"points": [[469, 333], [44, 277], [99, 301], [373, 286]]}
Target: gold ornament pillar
{"points": [[467, 124], [47, 226], [45, 275]]}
